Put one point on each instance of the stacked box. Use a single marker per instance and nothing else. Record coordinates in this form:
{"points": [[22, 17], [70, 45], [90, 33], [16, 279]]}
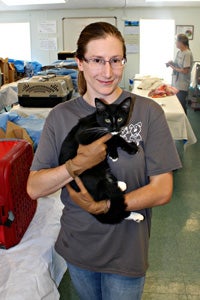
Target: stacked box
{"points": [[4, 70], [16, 207]]}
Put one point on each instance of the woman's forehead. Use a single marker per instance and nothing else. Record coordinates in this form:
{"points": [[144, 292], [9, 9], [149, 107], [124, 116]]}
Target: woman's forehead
{"points": [[110, 45]]}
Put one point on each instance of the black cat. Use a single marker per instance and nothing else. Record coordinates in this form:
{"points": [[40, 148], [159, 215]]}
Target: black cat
{"points": [[99, 181]]}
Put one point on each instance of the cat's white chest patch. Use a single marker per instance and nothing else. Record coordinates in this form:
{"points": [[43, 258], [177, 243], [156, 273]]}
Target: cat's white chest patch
{"points": [[114, 132]]}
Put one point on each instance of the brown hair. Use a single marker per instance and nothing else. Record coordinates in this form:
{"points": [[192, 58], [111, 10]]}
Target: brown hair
{"points": [[182, 38], [94, 31]]}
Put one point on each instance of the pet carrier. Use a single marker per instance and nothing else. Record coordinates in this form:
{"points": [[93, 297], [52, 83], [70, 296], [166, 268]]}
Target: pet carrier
{"points": [[16, 207]]}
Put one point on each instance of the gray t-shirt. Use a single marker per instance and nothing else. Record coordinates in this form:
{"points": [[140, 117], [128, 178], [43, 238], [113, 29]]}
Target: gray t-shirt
{"points": [[83, 241], [184, 59]]}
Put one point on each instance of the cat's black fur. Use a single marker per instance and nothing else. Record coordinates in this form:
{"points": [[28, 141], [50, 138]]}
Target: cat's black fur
{"points": [[99, 181]]}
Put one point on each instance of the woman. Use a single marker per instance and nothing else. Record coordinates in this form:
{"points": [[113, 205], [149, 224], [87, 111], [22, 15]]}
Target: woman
{"points": [[182, 67], [105, 261]]}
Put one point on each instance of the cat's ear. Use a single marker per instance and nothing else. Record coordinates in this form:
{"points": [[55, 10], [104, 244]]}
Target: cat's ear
{"points": [[100, 106], [126, 104]]}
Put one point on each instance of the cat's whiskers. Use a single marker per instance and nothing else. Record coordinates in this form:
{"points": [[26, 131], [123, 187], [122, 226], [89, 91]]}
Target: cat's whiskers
{"points": [[96, 132]]}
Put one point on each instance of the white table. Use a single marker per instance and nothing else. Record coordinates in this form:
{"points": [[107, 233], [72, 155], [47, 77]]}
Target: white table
{"points": [[32, 269], [177, 120], [40, 112]]}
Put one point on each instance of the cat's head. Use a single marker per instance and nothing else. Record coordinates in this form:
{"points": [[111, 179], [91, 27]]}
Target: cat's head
{"points": [[113, 116]]}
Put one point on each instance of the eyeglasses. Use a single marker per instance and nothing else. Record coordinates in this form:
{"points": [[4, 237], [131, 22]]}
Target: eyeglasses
{"points": [[115, 62]]}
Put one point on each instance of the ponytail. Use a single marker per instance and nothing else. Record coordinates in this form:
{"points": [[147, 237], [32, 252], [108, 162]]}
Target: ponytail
{"points": [[82, 86]]}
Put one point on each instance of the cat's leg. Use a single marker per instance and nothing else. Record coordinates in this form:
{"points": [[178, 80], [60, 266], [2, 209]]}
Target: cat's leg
{"points": [[130, 148], [112, 150], [137, 217]]}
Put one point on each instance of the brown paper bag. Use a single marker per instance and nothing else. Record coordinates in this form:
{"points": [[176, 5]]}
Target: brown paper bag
{"points": [[2, 134], [15, 131]]}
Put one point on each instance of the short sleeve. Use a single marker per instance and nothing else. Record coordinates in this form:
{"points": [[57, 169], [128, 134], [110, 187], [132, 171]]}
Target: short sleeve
{"points": [[187, 60], [160, 150]]}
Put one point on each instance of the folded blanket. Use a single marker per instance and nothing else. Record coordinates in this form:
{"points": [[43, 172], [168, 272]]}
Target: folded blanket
{"points": [[163, 90], [150, 83]]}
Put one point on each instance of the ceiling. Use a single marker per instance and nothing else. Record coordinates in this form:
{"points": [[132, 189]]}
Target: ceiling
{"points": [[80, 4]]}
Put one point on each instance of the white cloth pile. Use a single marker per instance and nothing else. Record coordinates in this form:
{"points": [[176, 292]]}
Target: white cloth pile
{"points": [[149, 83]]}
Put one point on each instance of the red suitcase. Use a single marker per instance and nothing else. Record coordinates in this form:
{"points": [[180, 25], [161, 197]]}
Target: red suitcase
{"points": [[16, 207]]}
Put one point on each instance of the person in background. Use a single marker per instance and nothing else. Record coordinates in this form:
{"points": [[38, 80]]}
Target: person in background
{"points": [[105, 262], [182, 67]]}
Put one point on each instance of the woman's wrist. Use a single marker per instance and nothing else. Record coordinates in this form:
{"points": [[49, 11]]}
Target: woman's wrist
{"points": [[72, 168]]}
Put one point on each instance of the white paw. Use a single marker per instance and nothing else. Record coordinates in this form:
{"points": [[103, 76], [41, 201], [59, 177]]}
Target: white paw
{"points": [[113, 159], [122, 185], [137, 217]]}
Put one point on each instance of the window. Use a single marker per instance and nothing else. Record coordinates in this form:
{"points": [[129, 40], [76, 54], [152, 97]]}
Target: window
{"points": [[15, 41], [157, 38]]}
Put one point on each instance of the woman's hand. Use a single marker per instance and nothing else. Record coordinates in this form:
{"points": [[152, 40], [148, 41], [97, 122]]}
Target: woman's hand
{"points": [[85, 200], [88, 156]]}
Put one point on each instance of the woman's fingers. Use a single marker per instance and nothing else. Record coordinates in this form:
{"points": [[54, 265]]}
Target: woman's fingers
{"points": [[80, 184]]}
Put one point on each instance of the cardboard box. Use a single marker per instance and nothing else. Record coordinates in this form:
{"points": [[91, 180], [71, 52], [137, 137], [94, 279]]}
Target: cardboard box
{"points": [[11, 72], [4, 69]]}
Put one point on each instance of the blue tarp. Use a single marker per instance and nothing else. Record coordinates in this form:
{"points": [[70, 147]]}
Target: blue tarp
{"points": [[32, 124], [20, 64]]}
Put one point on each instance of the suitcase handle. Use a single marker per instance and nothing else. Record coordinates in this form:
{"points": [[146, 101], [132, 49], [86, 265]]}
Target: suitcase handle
{"points": [[47, 77], [6, 219]]}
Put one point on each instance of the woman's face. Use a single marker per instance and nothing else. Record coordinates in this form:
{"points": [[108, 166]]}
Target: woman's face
{"points": [[178, 44], [102, 81]]}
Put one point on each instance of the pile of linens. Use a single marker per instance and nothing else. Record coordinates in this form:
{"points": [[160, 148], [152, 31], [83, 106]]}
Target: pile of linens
{"points": [[163, 90], [157, 88]]}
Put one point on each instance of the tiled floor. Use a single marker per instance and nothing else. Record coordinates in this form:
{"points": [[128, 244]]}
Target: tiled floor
{"points": [[174, 272]]}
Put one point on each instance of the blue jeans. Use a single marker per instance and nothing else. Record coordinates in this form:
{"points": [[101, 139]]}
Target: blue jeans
{"points": [[104, 286], [182, 97]]}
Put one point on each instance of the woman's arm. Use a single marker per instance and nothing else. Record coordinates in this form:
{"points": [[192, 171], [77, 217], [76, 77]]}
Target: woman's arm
{"points": [[180, 70], [47, 181], [157, 192]]}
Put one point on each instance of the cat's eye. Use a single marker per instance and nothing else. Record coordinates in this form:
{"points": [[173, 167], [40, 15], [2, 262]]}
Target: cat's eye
{"points": [[107, 121], [119, 119]]}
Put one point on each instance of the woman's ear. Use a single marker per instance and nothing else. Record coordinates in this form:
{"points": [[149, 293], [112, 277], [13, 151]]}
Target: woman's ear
{"points": [[80, 64]]}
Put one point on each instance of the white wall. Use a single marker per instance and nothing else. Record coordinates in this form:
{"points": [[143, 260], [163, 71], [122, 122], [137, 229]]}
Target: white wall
{"points": [[182, 16]]}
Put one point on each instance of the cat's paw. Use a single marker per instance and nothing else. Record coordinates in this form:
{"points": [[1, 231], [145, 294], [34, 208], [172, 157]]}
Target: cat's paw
{"points": [[122, 185], [132, 148], [137, 217], [114, 159]]}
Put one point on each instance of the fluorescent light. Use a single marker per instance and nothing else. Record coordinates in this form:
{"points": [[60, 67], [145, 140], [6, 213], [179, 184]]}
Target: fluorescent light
{"points": [[172, 1], [31, 2]]}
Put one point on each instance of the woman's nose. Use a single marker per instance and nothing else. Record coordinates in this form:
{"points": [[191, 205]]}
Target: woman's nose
{"points": [[107, 69]]}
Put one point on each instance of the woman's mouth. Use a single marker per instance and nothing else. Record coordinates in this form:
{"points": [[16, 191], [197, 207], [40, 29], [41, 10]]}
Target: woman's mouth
{"points": [[106, 82]]}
